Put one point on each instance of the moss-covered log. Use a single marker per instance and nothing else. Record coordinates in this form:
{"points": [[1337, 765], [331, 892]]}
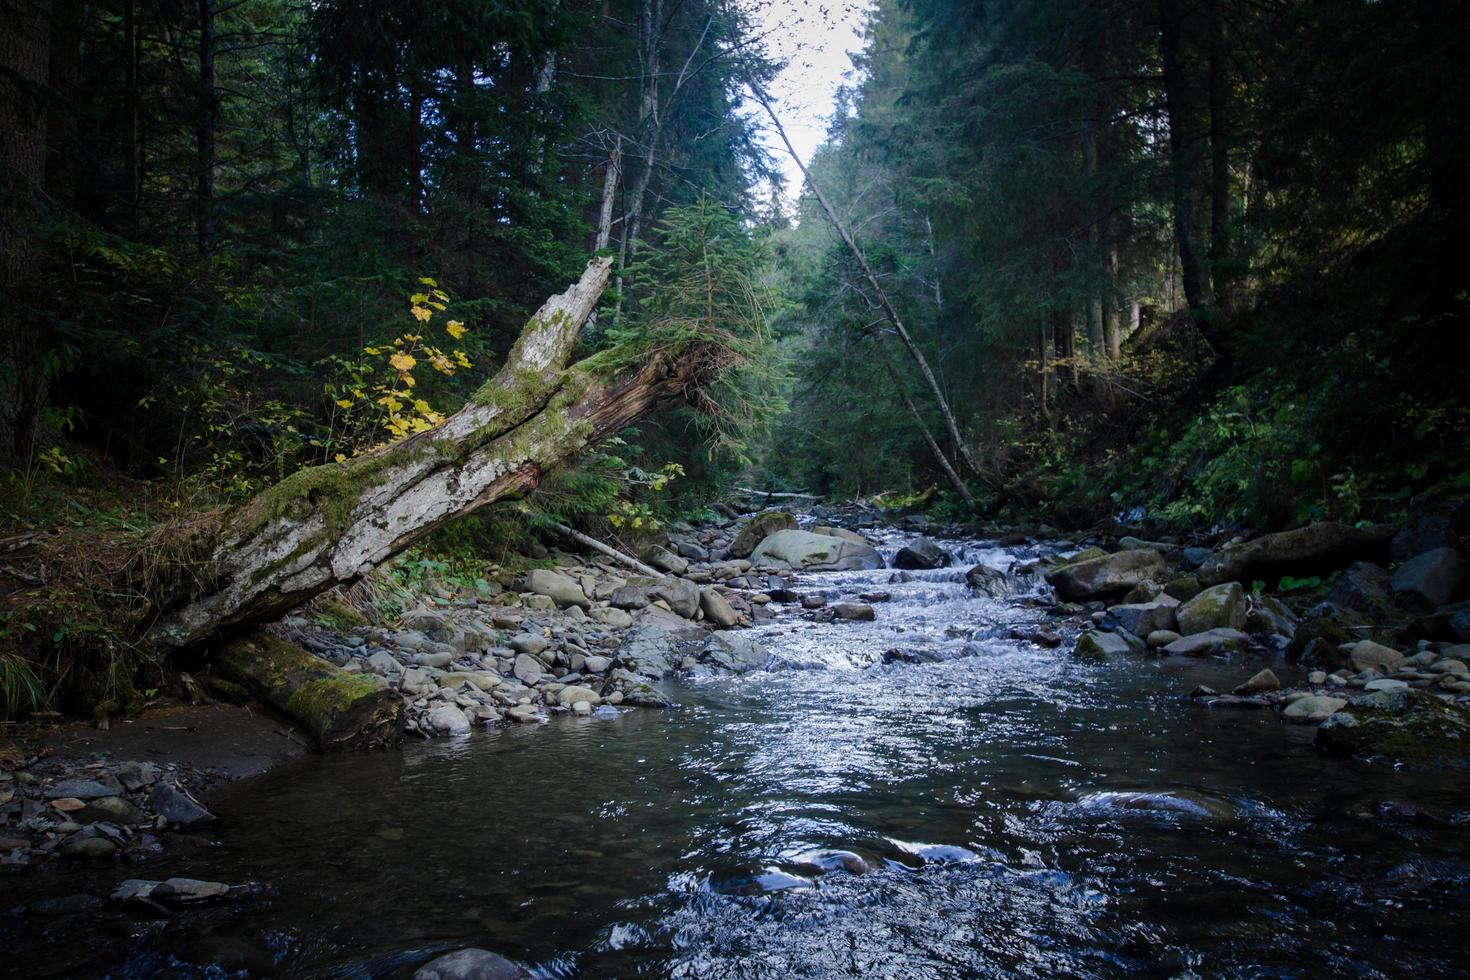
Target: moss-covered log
{"points": [[341, 711], [332, 524]]}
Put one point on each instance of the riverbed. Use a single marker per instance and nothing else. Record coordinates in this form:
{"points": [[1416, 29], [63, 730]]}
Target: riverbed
{"points": [[1003, 808]]}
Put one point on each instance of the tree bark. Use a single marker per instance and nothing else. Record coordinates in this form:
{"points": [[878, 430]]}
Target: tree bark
{"points": [[25, 65], [1187, 148], [332, 524], [204, 127], [340, 710]]}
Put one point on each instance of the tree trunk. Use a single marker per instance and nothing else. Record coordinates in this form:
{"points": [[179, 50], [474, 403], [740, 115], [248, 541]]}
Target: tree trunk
{"points": [[610, 174], [204, 127], [1220, 272], [1187, 147], [340, 710], [61, 117], [332, 524], [132, 178], [862, 260], [25, 66]]}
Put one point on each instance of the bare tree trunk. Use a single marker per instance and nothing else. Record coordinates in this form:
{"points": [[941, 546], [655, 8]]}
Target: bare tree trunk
{"points": [[204, 126], [939, 456], [888, 311], [611, 174], [1220, 274], [332, 524], [132, 166]]}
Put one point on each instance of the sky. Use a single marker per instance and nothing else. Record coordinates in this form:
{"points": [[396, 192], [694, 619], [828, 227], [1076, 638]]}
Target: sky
{"points": [[813, 38]]}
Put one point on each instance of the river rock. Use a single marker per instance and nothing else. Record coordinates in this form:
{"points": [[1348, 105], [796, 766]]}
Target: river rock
{"points": [[1267, 616], [89, 848], [383, 663], [734, 652], [1210, 643], [858, 611], [418, 680], [1097, 645], [1218, 607], [654, 644], [470, 964], [681, 595], [1290, 550], [176, 806], [1146, 591], [1105, 575], [664, 560], [1263, 680], [1312, 709], [560, 589], [1362, 586], [573, 693], [1407, 726], [921, 553], [996, 584], [447, 719], [630, 597], [525, 714], [717, 609], [757, 529], [83, 789], [597, 664], [1427, 582], [1160, 638], [1442, 523], [1367, 655], [1143, 618], [804, 551], [528, 669], [843, 533]]}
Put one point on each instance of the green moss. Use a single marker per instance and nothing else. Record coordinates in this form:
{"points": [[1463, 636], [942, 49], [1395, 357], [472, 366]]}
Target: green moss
{"points": [[318, 702]]}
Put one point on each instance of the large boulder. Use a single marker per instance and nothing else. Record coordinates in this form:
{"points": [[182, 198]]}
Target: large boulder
{"points": [[656, 642], [1410, 727], [921, 553], [804, 551], [1367, 655], [843, 533], [717, 609], [664, 560], [1270, 617], [757, 529], [1425, 583], [1218, 607], [681, 595], [1105, 575], [1363, 586], [561, 589], [1443, 523], [1298, 549]]}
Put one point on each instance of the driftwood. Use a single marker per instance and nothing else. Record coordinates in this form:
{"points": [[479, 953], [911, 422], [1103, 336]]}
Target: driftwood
{"points": [[330, 525], [340, 710], [773, 495]]}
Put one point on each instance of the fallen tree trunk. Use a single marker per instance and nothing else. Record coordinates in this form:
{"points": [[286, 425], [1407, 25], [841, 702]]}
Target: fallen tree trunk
{"points": [[332, 524], [589, 541], [341, 710]]}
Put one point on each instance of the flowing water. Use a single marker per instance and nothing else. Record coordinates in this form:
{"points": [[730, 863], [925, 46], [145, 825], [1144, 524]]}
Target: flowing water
{"points": [[1007, 810]]}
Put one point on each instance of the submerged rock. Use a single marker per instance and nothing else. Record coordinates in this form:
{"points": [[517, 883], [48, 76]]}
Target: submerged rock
{"points": [[470, 964], [1407, 726]]}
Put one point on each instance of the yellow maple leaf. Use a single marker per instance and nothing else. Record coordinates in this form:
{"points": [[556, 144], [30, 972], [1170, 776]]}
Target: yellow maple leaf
{"points": [[427, 281], [344, 403], [418, 299], [402, 361], [341, 458], [421, 314], [455, 329]]}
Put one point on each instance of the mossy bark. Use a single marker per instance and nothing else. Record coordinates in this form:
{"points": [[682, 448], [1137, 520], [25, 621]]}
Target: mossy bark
{"points": [[332, 524], [342, 711]]}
